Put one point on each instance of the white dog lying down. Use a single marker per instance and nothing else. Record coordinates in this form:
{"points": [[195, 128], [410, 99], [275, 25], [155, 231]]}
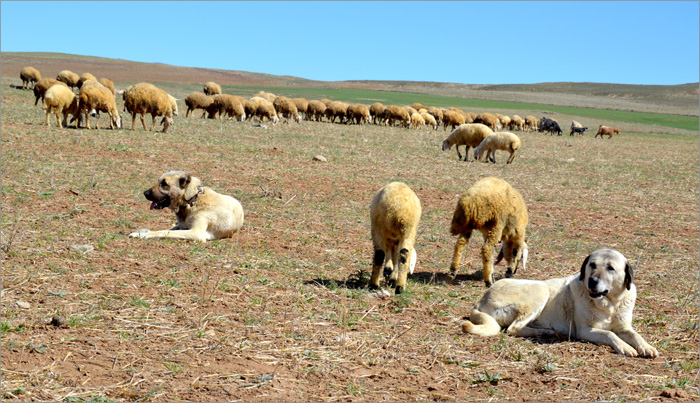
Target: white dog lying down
{"points": [[595, 305]]}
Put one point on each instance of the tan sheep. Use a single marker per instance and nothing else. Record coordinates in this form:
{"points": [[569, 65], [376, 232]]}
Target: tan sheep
{"points": [[376, 110], [262, 109], [85, 77], [266, 95], [107, 83], [469, 117], [29, 75], [437, 114], [302, 105], [395, 113], [232, 106], [429, 120], [358, 114], [143, 98], [94, 96], [504, 141], [395, 212], [418, 106], [69, 78], [337, 109], [173, 104], [286, 108], [467, 134], [498, 211], [315, 110], [61, 100], [198, 100], [531, 123], [212, 88], [517, 123], [452, 118], [489, 119], [505, 121], [417, 121], [42, 86]]}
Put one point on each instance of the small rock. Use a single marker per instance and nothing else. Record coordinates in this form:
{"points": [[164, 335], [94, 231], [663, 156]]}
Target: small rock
{"points": [[21, 305], [58, 321], [379, 294], [320, 158], [83, 248]]}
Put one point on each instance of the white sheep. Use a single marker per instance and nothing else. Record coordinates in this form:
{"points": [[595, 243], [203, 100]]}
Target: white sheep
{"points": [[29, 75], [498, 211], [417, 121], [429, 120], [96, 97], [212, 88], [467, 134], [41, 86], [394, 213], [505, 141], [60, 100], [143, 98]]}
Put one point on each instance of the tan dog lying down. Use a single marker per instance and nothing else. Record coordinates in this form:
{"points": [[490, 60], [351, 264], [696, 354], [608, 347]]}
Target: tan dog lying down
{"points": [[595, 305], [202, 214]]}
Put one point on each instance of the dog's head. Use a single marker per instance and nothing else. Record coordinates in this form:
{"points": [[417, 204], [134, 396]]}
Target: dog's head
{"points": [[173, 190], [606, 271]]}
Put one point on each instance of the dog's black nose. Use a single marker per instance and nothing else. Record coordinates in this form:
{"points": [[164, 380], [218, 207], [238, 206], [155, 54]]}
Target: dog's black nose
{"points": [[592, 283], [147, 194]]}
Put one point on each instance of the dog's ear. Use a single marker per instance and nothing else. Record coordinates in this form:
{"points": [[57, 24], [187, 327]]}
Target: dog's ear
{"points": [[185, 180], [583, 269], [192, 187], [629, 274]]}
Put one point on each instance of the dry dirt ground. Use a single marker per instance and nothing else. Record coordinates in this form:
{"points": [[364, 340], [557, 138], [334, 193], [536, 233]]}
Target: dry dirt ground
{"points": [[275, 313]]}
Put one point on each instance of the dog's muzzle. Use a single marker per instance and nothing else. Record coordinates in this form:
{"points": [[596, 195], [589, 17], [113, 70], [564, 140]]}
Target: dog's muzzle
{"points": [[157, 204], [592, 286]]}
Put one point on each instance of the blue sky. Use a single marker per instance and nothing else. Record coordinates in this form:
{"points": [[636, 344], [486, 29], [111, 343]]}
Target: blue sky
{"points": [[463, 42]]}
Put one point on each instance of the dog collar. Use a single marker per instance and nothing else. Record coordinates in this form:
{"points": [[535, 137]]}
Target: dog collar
{"points": [[193, 200]]}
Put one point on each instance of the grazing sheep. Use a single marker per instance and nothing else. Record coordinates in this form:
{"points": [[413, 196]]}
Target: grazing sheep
{"points": [[395, 113], [266, 95], [60, 100], [212, 88], [418, 106], [107, 83], [452, 118], [326, 102], [531, 123], [337, 109], [302, 105], [143, 98], [316, 110], [505, 141], [230, 105], [94, 96], [198, 100], [286, 108], [358, 114], [437, 114], [430, 120], [29, 75], [517, 123], [69, 78], [376, 110], [42, 86], [498, 211], [468, 134], [173, 104], [606, 130], [417, 121], [469, 117], [85, 77], [505, 121], [261, 108], [489, 119], [394, 213]]}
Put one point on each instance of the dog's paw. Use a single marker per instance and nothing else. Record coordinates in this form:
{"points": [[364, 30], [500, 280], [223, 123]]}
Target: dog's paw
{"points": [[646, 350], [625, 349], [140, 233]]}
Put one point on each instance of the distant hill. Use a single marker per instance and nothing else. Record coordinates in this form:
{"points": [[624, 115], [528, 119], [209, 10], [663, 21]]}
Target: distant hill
{"points": [[673, 99]]}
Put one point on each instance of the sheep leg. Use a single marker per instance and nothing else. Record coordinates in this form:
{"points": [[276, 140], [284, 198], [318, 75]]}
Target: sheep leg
{"points": [[133, 120], [460, 245], [402, 274], [377, 262], [459, 156], [511, 158], [466, 153], [143, 121], [490, 239]]}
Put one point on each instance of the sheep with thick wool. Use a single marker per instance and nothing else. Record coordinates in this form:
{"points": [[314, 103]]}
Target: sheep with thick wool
{"points": [[198, 100], [61, 100], [395, 212], [437, 114], [286, 108], [85, 77], [29, 75], [531, 123], [173, 104], [505, 141], [429, 120], [452, 118], [69, 78], [262, 109], [395, 113], [498, 211], [337, 109], [376, 110], [489, 119], [143, 98], [517, 123], [42, 86], [467, 134], [302, 105], [231, 106], [94, 96], [211, 88], [315, 110], [358, 114], [107, 83], [417, 121]]}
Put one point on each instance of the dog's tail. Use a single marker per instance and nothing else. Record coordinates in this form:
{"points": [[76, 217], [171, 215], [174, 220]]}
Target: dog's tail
{"points": [[481, 324]]}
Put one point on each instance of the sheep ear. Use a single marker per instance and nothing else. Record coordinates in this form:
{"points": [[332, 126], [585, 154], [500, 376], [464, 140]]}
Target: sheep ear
{"points": [[629, 274], [583, 268]]}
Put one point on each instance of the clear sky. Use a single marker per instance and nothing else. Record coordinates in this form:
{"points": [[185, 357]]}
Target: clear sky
{"points": [[628, 42]]}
